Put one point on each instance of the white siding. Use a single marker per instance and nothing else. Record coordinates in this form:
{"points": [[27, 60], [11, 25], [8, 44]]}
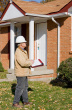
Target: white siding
{"points": [[12, 13]]}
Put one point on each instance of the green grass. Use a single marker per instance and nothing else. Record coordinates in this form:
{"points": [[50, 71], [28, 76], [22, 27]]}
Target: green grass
{"points": [[3, 75], [44, 97]]}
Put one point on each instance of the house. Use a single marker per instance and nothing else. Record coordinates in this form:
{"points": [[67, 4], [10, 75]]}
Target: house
{"points": [[46, 27]]}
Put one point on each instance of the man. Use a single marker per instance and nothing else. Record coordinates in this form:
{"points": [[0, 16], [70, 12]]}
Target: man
{"points": [[22, 70]]}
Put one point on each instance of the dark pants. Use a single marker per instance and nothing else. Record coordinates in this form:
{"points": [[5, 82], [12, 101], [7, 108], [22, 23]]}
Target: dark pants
{"points": [[21, 90]]}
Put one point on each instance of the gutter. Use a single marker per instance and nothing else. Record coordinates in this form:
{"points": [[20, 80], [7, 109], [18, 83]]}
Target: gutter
{"points": [[58, 44], [6, 23], [46, 16], [69, 14], [3, 24]]}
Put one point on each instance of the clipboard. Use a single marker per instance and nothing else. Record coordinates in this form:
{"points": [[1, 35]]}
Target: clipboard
{"points": [[37, 63]]}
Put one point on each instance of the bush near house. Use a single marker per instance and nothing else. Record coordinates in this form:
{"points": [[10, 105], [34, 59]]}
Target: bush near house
{"points": [[1, 67], [65, 71]]}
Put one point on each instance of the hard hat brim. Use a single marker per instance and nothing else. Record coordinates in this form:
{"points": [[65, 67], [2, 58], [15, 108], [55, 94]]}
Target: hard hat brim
{"points": [[21, 42]]}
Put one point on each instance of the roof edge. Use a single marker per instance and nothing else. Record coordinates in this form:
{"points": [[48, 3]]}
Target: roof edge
{"points": [[5, 23], [47, 16], [23, 12]]}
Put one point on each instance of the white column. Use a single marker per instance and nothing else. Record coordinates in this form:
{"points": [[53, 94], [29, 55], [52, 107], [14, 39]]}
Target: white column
{"points": [[12, 45], [31, 38]]}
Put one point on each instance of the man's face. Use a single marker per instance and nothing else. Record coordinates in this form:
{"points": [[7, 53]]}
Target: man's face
{"points": [[23, 44]]}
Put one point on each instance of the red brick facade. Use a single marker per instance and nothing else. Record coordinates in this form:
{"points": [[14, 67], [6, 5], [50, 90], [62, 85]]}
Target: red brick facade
{"points": [[65, 42], [4, 46]]}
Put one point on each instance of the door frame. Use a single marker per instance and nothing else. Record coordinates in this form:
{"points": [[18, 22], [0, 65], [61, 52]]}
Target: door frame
{"points": [[36, 41]]}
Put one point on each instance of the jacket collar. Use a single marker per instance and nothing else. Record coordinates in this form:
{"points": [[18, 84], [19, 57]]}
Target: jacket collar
{"points": [[23, 50]]}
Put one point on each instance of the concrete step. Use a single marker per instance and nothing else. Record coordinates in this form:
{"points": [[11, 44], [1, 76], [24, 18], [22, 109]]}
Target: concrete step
{"points": [[11, 77], [34, 69], [39, 74], [34, 73], [42, 72], [45, 75], [11, 71], [40, 68]]}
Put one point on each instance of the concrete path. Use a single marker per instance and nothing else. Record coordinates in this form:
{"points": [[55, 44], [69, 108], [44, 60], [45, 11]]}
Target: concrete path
{"points": [[2, 80]]}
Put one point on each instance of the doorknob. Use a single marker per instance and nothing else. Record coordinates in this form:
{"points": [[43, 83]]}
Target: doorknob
{"points": [[38, 47]]}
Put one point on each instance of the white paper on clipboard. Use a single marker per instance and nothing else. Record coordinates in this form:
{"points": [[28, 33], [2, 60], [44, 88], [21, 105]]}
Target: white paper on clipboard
{"points": [[37, 63]]}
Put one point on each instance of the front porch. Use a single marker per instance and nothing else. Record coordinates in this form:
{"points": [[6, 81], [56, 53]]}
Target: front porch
{"points": [[39, 74]]}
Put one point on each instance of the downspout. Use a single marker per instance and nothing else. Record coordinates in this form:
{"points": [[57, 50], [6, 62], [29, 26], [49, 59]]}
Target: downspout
{"points": [[58, 44]]}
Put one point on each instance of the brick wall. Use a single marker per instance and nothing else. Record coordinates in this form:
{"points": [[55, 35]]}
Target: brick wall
{"points": [[51, 45], [65, 42], [65, 38], [4, 47]]}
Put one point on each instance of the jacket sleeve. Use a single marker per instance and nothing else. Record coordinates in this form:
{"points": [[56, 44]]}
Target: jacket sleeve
{"points": [[22, 61]]}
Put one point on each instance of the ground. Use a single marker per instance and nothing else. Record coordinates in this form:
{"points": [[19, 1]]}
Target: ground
{"points": [[44, 96]]}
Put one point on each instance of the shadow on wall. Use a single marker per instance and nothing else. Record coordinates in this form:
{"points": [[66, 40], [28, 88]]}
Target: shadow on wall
{"points": [[6, 49], [51, 25], [5, 45]]}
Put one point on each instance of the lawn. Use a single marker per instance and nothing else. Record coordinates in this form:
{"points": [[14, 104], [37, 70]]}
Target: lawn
{"points": [[44, 96], [3, 74]]}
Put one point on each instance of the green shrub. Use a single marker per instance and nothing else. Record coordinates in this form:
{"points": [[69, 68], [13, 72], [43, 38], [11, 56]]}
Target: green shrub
{"points": [[1, 67], [65, 71]]}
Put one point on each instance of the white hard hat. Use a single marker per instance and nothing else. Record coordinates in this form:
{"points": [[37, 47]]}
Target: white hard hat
{"points": [[20, 39]]}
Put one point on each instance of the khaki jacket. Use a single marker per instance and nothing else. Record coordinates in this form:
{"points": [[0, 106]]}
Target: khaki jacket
{"points": [[22, 63]]}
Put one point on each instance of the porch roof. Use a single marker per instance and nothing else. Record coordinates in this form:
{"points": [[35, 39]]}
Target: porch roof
{"points": [[25, 9]]}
